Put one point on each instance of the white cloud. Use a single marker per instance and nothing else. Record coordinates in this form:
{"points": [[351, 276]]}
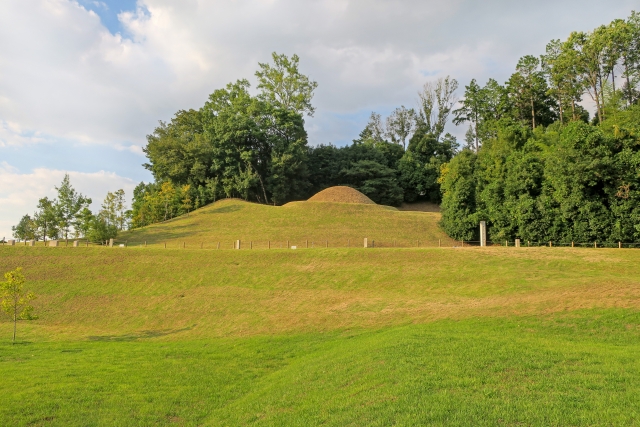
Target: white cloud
{"points": [[66, 76], [65, 79], [20, 192]]}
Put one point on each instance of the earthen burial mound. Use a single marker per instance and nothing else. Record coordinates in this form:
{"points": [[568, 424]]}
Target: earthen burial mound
{"points": [[341, 194]]}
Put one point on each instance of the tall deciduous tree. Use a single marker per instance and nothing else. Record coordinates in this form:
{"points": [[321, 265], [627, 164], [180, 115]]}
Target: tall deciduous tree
{"points": [[283, 85], [400, 125], [587, 51], [436, 102]]}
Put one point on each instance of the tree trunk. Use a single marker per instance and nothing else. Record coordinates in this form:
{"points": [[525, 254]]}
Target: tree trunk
{"points": [[598, 107], [626, 73], [561, 111], [533, 114], [573, 109], [602, 100], [476, 132], [15, 319]]}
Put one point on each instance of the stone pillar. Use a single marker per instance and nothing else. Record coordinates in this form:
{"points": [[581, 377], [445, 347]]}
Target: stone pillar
{"points": [[53, 243], [237, 244], [366, 243], [110, 243], [75, 243], [517, 243], [11, 242], [483, 233], [31, 243]]}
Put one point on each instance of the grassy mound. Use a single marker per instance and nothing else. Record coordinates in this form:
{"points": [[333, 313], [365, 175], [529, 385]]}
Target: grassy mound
{"points": [[319, 224], [495, 336], [341, 194]]}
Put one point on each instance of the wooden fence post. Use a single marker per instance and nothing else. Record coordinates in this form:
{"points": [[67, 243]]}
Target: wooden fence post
{"points": [[218, 245], [165, 245], [619, 245], [595, 245], [269, 244], [327, 244]]}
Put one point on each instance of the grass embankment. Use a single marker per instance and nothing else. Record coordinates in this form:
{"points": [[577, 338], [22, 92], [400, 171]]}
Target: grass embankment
{"points": [[488, 336], [339, 224]]}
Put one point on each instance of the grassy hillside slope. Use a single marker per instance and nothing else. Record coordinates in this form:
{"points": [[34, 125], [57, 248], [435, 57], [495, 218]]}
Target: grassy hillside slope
{"points": [[491, 336], [338, 223]]}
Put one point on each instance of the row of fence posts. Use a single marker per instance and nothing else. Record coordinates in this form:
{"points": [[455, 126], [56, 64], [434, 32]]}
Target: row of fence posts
{"points": [[57, 243], [237, 244]]}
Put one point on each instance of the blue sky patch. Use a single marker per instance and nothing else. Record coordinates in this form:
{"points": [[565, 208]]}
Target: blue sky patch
{"points": [[108, 11]]}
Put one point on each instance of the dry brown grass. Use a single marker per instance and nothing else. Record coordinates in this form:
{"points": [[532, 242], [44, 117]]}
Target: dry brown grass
{"points": [[341, 194], [104, 292]]}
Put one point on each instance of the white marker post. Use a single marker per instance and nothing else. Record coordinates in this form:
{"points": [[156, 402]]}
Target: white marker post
{"points": [[483, 233]]}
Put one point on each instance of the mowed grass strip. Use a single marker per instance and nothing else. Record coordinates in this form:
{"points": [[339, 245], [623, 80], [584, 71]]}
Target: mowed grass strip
{"points": [[577, 368], [181, 294], [318, 223], [491, 336]]}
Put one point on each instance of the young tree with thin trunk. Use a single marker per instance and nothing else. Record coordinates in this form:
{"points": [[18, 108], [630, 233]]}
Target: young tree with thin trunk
{"points": [[120, 208], [14, 300]]}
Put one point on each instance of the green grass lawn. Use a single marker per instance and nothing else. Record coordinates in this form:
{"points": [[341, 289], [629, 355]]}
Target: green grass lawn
{"points": [[319, 223], [492, 336]]}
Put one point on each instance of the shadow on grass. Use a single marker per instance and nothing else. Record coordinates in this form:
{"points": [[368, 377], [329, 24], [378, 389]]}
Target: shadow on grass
{"points": [[9, 344], [139, 335], [225, 209]]}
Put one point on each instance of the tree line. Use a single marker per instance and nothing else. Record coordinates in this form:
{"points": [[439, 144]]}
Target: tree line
{"points": [[536, 167], [256, 148], [68, 216]]}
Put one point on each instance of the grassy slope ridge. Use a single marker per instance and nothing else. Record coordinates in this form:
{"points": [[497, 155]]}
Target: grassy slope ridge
{"points": [[493, 336], [318, 222]]}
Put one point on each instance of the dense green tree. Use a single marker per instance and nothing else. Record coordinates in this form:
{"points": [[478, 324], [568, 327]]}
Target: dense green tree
{"points": [[46, 219], [100, 231], [377, 181], [420, 166], [400, 125], [26, 229], [459, 216], [528, 92]]}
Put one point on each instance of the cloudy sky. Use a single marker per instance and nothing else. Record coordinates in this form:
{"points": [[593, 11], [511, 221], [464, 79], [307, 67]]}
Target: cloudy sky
{"points": [[83, 82]]}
